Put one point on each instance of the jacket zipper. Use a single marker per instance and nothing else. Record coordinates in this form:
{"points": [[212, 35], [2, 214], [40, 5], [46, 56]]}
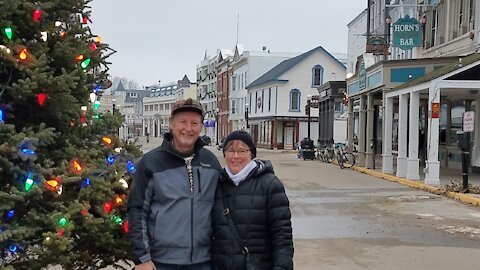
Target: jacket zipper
{"points": [[188, 164], [191, 231], [199, 183]]}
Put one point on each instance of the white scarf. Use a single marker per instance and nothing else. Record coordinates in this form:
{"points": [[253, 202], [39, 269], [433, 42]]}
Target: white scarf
{"points": [[241, 175]]}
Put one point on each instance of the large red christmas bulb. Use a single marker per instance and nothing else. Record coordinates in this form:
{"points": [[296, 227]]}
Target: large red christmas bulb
{"points": [[36, 15], [41, 98]]}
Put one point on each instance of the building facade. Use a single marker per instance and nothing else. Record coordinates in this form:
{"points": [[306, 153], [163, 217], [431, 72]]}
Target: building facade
{"points": [[224, 71], [411, 108], [247, 67], [207, 93], [156, 109], [277, 99]]}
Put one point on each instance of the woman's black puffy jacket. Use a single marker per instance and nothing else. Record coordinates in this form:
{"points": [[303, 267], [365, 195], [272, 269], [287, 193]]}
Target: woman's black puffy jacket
{"points": [[260, 210]]}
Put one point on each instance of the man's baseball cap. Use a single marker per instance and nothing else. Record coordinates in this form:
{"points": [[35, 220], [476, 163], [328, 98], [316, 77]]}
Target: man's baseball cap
{"points": [[187, 105]]}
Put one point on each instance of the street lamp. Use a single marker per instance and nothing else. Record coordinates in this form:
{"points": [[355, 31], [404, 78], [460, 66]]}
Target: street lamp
{"points": [[307, 108], [216, 122], [113, 103], [246, 116]]}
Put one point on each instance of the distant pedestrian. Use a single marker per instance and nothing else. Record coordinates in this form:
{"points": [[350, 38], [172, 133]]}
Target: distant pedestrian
{"points": [[251, 214]]}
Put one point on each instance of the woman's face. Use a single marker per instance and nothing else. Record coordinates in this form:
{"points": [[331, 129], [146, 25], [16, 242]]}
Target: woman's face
{"points": [[237, 156]]}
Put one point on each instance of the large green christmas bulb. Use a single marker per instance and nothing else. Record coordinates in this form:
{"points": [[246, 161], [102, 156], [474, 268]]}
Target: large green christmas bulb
{"points": [[62, 222], [28, 182], [8, 32], [85, 63], [96, 105]]}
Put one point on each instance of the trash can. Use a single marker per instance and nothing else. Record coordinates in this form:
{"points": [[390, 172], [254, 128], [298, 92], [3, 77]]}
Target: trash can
{"points": [[307, 148]]}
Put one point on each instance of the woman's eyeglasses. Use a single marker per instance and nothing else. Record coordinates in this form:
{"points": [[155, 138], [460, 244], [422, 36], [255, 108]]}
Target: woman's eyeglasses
{"points": [[242, 152]]}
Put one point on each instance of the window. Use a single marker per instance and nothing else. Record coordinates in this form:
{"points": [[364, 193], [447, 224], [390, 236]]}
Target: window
{"points": [[234, 83], [433, 31], [263, 98], [471, 15], [317, 75], [133, 95], [256, 98], [233, 106], [241, 81], [156, 107], [269, 98], [294, 100], [245, 77], [461, 17]]}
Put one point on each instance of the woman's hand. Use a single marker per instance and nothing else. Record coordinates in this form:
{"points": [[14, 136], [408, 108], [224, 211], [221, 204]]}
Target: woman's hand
{"points": [[146, 266]]}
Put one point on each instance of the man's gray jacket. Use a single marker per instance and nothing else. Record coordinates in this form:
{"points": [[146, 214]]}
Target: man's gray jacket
{"points": [[169, 206]]}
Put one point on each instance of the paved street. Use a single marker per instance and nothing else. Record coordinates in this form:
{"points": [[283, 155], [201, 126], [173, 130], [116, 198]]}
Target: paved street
{"points": [[343, 219]]}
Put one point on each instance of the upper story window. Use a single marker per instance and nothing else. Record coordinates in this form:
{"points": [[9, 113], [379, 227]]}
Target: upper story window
{"points": [[133, 95], [234, 83], [294, 100], [317, 75], [234, 103]]}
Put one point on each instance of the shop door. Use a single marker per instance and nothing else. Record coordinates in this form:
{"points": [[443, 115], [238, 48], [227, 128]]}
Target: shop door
{"points": [[288, 138]]}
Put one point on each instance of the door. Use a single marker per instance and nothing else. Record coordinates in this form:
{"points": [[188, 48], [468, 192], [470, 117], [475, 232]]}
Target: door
{"points": [[288, 138]]}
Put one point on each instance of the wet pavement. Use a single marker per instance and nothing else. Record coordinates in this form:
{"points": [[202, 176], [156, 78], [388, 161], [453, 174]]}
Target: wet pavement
{"points": [[343, 219]]}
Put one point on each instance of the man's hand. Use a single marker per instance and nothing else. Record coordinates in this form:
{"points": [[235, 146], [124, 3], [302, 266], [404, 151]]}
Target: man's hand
{"points": [[146, 266]]}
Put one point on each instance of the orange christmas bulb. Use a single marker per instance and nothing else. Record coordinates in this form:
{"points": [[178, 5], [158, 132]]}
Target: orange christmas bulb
{"points": [[23, 54]]}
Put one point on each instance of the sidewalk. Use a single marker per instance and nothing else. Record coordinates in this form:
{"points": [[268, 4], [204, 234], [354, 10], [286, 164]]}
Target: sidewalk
{"points": [[446, 177]]}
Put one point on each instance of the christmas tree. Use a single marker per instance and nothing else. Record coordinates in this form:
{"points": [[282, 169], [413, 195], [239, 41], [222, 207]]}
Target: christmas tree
{"points": [[64, 174]]}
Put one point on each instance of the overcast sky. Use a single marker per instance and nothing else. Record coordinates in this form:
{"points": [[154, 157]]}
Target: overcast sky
{"points": [[166, 39]]}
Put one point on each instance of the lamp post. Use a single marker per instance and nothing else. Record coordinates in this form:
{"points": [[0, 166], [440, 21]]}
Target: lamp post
{"points": [[216, 123], [246, 117], [113, 103], [309, 100]]}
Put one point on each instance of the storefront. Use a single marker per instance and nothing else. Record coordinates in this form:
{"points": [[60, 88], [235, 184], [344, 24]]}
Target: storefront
{"points": [[446, 93], [366, 90]]}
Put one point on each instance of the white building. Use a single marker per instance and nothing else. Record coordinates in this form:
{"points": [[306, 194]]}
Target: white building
{"points": [[277, 99], [156, 109], [247, 67]]}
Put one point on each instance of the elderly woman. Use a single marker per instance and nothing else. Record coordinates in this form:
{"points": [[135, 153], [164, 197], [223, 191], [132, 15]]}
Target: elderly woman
{"points": [[251, 214]]}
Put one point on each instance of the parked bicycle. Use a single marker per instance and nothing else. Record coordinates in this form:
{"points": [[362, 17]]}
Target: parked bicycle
{"points": [[326, 154], [344, 158]]}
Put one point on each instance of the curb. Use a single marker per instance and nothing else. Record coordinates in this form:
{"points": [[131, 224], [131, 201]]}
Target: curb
{"points": [[461, 197]]}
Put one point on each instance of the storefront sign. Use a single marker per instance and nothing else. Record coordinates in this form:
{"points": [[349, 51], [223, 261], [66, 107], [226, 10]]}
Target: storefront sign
{"points": [[406, 33], [377, 46], [362, 74], [468, 121]]}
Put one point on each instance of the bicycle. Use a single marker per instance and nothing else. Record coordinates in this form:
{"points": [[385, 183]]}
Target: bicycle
{"points": [[344, 158]]}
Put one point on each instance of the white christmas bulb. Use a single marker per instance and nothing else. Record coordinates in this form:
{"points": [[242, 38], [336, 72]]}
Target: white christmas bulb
{"points": [[124, 183], [44, 35], [5, 48], [58, 23], [83, 108], [93, 97]]}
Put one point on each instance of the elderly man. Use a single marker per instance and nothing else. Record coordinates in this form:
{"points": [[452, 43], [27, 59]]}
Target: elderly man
{"points": [[169, 207]]}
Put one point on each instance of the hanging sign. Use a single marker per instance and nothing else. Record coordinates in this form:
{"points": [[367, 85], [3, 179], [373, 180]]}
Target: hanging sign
{"points": [[406, 33]]}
